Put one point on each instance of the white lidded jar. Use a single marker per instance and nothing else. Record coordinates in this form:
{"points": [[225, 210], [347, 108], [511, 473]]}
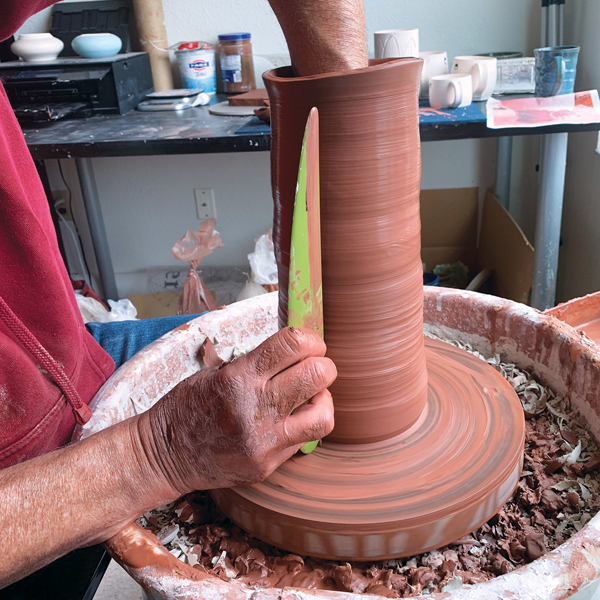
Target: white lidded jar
{"points": [[37, 47]]}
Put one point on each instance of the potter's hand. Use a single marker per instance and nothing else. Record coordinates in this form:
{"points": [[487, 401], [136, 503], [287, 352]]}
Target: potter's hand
{"points": [[233, 424]]}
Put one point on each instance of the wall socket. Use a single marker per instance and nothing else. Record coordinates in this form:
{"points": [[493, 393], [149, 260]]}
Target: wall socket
{"points": [[205, 203], [64, 208]]}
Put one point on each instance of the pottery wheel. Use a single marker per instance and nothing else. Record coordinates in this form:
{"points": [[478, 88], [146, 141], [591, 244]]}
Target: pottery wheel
{"points": [[429, 486]]}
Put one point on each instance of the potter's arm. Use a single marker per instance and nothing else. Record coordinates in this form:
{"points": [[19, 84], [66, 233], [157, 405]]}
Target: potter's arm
{"points": [[221, 427], [323, 35], [76, 496]]}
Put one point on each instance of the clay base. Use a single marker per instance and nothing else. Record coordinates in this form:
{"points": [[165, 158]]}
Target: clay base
{"points": [[427, 487]]}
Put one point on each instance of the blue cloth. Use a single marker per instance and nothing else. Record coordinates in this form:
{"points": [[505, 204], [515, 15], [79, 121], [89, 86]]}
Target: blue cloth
{"points": [[122, 339], [254, 125], [465, 114]]}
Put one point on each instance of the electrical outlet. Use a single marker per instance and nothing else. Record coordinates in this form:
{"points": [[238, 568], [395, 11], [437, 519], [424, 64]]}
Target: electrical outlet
{"points": [[205, 203], [64, 207]]}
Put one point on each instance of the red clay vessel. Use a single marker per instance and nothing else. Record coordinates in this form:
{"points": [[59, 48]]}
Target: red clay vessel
{"points": [[409, 466]]}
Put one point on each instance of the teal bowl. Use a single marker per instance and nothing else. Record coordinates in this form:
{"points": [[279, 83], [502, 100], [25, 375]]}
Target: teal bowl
{"points": [[96, 45]]}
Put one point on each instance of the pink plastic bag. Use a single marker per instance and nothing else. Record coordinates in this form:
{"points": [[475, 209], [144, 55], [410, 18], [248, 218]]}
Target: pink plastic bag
{"points": [[194, 247]]}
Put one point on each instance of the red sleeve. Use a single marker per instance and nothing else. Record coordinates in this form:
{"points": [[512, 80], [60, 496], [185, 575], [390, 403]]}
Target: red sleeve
{"points": [[13, 13]]}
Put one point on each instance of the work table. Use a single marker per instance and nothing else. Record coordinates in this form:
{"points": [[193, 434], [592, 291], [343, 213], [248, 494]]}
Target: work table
{"points": [[190, 131], [196, 131]]}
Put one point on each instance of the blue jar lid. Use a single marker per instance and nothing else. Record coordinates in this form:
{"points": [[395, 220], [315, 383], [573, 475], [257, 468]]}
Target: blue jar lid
{"points": [[232, 37]]}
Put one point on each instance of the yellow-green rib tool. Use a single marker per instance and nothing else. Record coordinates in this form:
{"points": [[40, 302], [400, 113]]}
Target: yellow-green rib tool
{"points": [[305, 292]]}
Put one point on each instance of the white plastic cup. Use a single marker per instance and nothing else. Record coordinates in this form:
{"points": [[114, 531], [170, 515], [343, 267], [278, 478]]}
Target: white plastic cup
{"points": [[197, 67]]}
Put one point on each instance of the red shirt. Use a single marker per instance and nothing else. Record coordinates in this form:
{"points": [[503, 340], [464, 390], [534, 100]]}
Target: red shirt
{"points": [[34, 414]]}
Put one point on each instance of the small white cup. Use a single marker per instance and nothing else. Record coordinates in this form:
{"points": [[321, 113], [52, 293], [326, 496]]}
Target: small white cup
{"points": [[450, 91], [397, 43], [434, 63], [483, 71]]}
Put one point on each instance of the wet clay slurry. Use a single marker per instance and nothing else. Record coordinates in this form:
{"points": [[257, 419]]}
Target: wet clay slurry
{"points": [[370, 169], [430, 485]]}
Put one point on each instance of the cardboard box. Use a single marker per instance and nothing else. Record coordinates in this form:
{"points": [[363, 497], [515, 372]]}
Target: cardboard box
{"points": [[161, 304], [449, 234], [151, 306]]}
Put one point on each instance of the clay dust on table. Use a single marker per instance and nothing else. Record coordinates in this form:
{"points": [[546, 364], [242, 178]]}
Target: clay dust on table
{"points": [[558, 493]]}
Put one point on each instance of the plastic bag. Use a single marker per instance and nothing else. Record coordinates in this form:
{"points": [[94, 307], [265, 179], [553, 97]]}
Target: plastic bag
{"points": [[262, 260], [250, 290], [122, 310], [194, 247], [93, 311], [263, 266]]}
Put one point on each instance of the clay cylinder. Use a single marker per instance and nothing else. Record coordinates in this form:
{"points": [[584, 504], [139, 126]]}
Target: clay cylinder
{"points": [[370, 170]]}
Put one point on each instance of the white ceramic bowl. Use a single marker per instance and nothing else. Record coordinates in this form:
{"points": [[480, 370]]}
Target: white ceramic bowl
{"points": [[37, 47], [96, 45]]}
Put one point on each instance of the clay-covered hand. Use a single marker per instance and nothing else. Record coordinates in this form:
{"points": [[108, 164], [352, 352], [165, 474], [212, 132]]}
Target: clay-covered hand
{"points": [[235, 424]]}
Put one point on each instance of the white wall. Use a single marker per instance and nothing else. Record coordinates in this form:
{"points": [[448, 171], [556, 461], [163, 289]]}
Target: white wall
{"points": [[579, 268], [460, 27], [148, 202]]}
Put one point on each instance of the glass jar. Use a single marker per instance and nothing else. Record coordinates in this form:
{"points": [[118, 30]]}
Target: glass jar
{"points": [[237, 68]]}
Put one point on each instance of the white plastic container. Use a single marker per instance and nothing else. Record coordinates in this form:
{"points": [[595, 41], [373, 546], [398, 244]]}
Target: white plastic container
{"points": [[196, 62]]}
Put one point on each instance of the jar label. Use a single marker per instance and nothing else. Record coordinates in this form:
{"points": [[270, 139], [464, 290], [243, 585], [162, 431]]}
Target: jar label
{"points": [[231, 68]]}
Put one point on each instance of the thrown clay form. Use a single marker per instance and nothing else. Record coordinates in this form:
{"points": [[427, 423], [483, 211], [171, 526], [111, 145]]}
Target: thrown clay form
{"points": [[370, 170], [37, 47], [560, 356], [408, 467]]}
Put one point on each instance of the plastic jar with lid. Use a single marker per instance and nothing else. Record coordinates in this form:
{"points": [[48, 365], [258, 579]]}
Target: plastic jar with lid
{"points": [[197, 66], [237, 68]]}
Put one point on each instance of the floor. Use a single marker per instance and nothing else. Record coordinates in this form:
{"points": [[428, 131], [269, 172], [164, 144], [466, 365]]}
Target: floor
{"points": [[590, 593], [117, 585]]}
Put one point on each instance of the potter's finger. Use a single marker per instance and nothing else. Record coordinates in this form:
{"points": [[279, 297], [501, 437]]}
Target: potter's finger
{"points": [[298, 384], [287, 347], [312, 421]]}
